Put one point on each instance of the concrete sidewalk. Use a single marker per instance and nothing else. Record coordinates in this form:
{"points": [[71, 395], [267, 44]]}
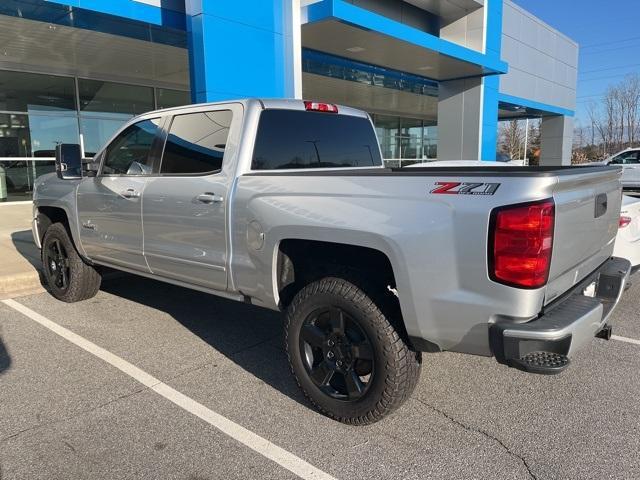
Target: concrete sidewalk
{"points": [[19, 257]]}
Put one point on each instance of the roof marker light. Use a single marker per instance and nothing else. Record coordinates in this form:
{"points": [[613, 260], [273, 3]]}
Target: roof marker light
{"points": [[321, 107]]}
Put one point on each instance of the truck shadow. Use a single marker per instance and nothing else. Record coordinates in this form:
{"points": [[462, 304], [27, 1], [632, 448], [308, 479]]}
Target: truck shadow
{"points": [[250, 336], [5, 359], [23, 243]]}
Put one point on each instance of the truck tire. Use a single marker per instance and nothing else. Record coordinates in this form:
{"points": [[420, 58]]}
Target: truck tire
{"points": [[345, 354], [68, 276]]}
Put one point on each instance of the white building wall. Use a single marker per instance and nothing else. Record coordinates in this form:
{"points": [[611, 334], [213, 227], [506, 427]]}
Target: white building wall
{"points": [[542, 62]]}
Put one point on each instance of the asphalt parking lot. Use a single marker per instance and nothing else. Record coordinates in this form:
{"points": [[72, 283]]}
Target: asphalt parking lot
{"points": [[65, 413]]}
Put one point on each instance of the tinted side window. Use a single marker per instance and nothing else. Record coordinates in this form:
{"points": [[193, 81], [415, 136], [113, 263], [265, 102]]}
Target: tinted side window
{"points": [[129, 152], [632, 159], [196, 143], [298, 139], [626, 158]]}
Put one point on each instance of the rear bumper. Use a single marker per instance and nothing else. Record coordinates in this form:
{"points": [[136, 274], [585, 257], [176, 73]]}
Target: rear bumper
{"points": [[567, 324]]}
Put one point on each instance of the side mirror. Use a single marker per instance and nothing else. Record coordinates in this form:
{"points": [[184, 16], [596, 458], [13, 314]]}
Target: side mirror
{"points": [[68, 161]]}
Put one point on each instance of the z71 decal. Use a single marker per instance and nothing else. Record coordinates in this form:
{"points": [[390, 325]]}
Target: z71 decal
{"points": [[465, 188]]}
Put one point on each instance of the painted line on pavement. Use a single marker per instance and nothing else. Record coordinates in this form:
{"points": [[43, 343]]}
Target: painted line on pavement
{"points": [[20, 202], [625, 339], [252, 440]]}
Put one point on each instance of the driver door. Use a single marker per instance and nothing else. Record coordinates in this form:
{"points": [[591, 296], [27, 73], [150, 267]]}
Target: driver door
{"points": [[110, 204]]}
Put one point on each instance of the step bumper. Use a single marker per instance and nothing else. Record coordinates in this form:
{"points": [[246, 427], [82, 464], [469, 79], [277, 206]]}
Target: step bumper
{"points": [[566, 325]]}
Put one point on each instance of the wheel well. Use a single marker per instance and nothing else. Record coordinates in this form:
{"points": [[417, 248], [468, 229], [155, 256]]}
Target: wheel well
{"points": [[48, 216], [301, 262]]}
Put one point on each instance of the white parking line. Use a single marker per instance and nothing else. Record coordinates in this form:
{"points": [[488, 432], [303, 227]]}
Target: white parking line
{"points": [[252, 440], [625, 339]]}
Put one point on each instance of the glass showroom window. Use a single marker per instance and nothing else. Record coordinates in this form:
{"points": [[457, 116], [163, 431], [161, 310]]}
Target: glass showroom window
{"points": [[35, 93], [430, 142], [410, 139], [36, 113], [388, 130], [406, 140], [15, 140], [168, 98], [106, 106]]}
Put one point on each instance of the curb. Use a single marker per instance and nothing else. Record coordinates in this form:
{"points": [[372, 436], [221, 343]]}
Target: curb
{"points": [[20, 284]]}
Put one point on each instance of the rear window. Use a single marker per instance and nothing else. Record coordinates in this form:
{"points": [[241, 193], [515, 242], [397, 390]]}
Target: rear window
{"points": [[300, 139]]}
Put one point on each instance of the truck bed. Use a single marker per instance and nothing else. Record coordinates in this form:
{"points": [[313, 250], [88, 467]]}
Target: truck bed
{"points": [[430, 236], [467, 171]]}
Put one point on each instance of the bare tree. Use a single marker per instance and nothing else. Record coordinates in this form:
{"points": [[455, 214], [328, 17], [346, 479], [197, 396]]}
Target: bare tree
{"points": [[512, 138], [534, 141], [630, 92], [599, 125], [615, 121], [610, 119], [620, 114], [578, 137]]}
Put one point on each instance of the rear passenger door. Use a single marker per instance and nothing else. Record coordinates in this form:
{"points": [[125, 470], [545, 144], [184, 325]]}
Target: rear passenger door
{"points": [[185, 206]]}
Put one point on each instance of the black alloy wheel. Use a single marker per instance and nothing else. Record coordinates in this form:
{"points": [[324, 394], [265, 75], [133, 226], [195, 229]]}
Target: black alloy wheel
{"points": [[344, 351], [337, 354], [56, 261], [69, 277]]}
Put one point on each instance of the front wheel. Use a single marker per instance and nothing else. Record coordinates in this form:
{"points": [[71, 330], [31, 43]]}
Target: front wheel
{"points": [[68, 276], [345, 354]]}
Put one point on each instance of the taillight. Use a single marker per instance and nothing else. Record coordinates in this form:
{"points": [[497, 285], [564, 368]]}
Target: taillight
{"points": [[624, 221], [321, 107], [520, 244]]}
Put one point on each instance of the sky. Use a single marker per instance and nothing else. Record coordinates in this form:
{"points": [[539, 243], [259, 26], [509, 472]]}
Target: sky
{"points": [[608, 32]]}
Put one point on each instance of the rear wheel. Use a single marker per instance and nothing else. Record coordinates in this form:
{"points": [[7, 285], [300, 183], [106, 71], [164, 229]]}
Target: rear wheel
{"points": [[345, 354], [68, 276]]}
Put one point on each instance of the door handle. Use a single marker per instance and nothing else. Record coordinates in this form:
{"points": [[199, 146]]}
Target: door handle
{"points": [[130, 193], [209, 197], [601, 205]]}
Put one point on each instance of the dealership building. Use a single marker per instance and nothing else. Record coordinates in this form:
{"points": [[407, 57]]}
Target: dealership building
{"points": [[436, 76]]}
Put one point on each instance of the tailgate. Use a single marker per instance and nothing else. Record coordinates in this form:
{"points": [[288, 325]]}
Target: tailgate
{"points": [[587, 216]]}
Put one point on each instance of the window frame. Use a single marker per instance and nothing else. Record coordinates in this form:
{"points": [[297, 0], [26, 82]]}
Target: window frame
{"points": [[153, 151], [165, 135]]}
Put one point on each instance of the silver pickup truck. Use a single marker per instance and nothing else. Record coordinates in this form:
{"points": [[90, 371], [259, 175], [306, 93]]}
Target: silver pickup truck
{"points": [[287, 205]]}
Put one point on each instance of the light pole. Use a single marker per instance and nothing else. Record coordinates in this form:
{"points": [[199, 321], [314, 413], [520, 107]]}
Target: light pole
{"points": [[526, 142]]}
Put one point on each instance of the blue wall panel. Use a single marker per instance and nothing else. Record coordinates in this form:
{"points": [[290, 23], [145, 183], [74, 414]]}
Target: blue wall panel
{"points": [[265, 14], [489, 137], [367, 20], [132, 10], [541, 108], [237, 49]]}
